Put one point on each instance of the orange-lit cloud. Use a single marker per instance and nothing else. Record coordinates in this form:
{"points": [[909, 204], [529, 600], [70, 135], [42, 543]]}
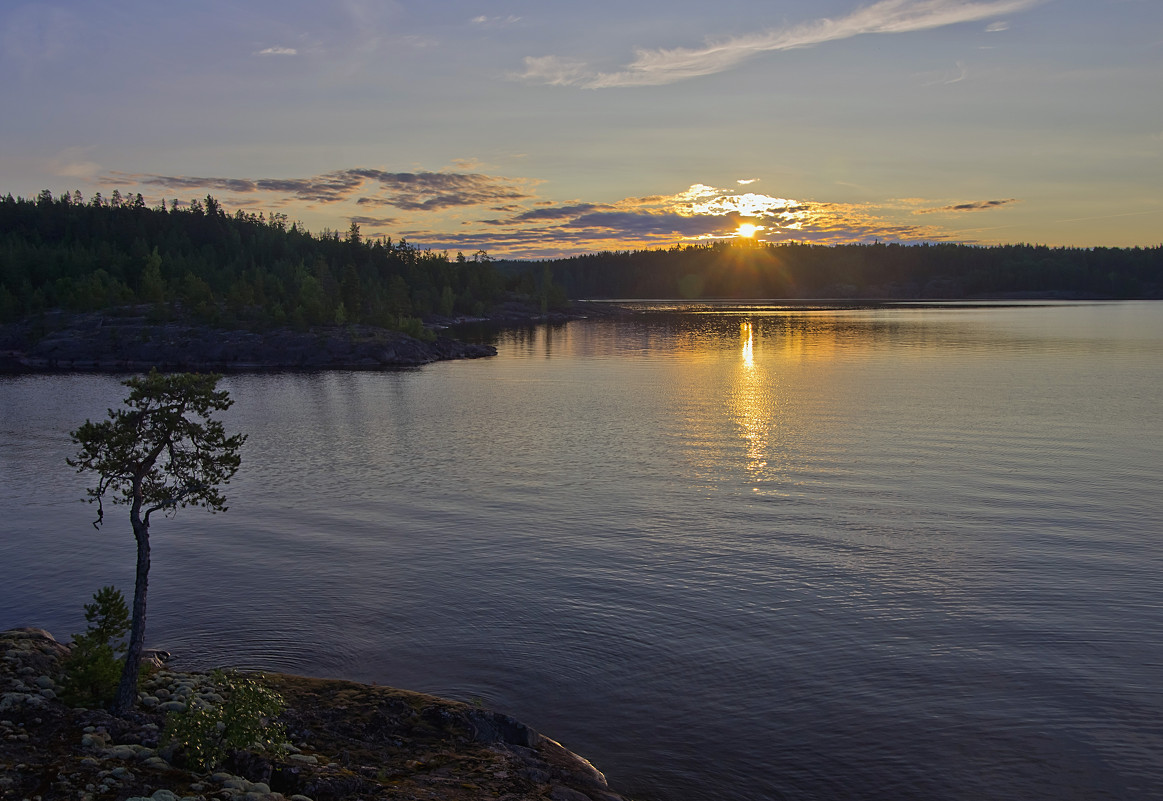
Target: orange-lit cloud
{"points": [[700, 213], [413, 191], [443, 210]]}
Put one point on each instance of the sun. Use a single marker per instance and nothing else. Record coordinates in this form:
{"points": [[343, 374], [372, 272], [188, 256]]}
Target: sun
{"points": [[747, 231]]}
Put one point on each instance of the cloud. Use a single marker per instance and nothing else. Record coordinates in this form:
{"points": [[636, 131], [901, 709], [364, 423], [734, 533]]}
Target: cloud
{"points": [[375, 222], [411, 191], [444, 210], [73, 162], [946, 78], [628, 230], [277, 51], [556, 71], [997, 27], [635, 224], [495, 21], [558, 213], [746, 181], [665, 66], [977, 205], [701, 213]]}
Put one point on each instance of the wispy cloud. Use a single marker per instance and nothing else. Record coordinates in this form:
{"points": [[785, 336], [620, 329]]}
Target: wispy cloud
{"points": [[956, 76], [74, 162], [665, 66], [557, 212], [495, 21], [277, 51], [375, 222], [977, 205], [411, 191]]}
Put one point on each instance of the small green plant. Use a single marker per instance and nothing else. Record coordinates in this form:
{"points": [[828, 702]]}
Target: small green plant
{"points": [[93, 666], [205, 734], [415, 328]]}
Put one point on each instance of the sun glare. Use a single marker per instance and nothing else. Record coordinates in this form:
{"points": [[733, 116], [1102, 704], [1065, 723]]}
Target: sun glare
{"points": [[747, 231]]}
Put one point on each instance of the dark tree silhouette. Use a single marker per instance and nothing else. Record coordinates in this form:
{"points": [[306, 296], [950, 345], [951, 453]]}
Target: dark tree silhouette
{"points": [[160, 454]]}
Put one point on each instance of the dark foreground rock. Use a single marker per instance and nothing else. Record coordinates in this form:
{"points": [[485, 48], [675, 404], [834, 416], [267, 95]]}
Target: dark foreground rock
{"points": [[347, 741], [132, 342]]}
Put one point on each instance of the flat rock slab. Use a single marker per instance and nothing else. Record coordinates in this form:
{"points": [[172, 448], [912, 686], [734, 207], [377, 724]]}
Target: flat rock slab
{"points": [[131, 342], [350, 741]]}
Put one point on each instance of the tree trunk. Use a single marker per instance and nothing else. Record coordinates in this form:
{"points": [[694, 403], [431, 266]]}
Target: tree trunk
{"points": [[127, 689]]}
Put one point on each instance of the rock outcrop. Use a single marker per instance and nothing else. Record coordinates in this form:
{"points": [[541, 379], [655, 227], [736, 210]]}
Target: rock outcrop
{"points": [[131, 341], [346, 741]]}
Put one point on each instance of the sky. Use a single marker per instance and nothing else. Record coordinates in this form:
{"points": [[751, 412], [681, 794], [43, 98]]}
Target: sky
{"points": [[543, 128]]}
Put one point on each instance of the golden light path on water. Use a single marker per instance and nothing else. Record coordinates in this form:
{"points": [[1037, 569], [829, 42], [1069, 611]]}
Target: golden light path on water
{"points": [[752, 405]]}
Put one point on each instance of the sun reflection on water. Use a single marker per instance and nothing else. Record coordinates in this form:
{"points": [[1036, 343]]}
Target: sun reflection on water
{"points": [[753, 407]]}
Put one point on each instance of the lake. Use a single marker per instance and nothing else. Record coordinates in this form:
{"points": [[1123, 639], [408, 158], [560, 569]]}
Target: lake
{"points": [[740, 552]]}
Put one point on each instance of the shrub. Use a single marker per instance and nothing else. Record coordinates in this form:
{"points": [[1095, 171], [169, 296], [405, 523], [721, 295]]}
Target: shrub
{"points": [[204, 735], [414, 327]]}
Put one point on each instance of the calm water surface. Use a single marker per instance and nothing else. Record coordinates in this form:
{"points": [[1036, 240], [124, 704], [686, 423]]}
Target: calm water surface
{"points": [[725, 552]]}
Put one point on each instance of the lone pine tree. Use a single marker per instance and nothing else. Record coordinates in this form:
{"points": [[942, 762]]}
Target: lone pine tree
{"points": [[161, 453]]}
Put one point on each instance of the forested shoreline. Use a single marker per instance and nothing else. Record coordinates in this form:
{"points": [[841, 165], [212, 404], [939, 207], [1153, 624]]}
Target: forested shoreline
{"points": [[240, 269], [745, 270], [254, 270]]}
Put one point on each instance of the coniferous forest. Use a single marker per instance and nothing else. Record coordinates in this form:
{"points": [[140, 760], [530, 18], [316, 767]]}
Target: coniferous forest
{"points": [[226, 269], [889, 271], [244, 268]]}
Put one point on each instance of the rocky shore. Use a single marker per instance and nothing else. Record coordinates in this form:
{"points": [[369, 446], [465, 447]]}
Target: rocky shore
{"points": [[345, 741], [130, 341]]}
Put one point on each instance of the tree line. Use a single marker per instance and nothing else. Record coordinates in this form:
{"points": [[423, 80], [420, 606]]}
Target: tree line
{"points": [[796, 270], [82, 255], [250, 268]]}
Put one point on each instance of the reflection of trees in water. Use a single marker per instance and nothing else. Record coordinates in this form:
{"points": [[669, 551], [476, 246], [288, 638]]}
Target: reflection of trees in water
{"points": [[694, 331], [700, 330], [525, 340]]}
